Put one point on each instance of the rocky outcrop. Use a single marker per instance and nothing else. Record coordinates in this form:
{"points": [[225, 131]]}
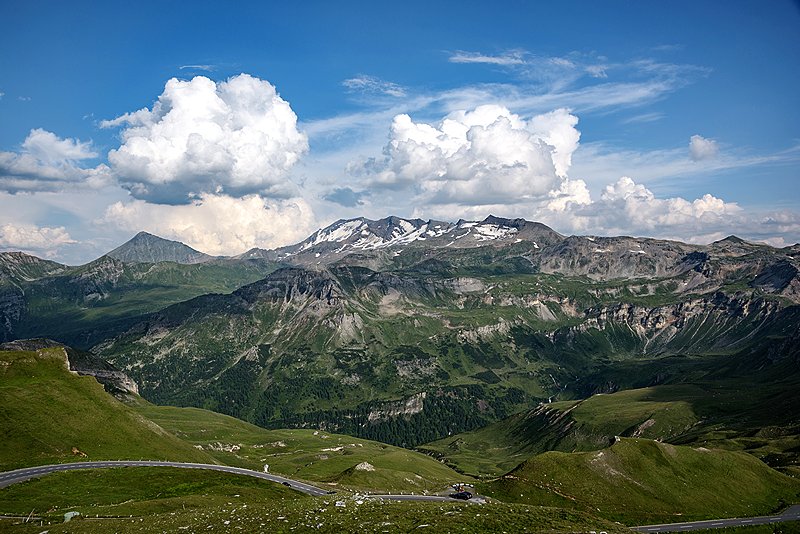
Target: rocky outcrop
{"points": [[294, 285], [412, 405], [608, 258], [81, 363]]}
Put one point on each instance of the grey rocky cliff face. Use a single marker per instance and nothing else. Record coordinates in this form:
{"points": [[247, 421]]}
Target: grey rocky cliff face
{"points": [[659, 326], [12, 308], [113, 381]]}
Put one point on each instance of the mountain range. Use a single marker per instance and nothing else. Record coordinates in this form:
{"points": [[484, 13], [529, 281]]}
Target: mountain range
{"points": [[408, 331]]}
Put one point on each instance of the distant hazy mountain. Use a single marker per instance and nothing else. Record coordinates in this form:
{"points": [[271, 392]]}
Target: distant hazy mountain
{"points": [[148, 248]]}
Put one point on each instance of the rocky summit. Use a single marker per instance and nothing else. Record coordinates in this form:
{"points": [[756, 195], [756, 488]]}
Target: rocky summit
{"points": [[148, 248]]}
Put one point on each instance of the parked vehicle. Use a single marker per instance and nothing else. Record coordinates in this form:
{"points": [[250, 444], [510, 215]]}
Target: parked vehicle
{"points": [[463, 495]]}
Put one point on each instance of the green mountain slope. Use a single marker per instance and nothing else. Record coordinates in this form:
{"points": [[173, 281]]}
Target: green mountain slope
{"points": [[46, 411], [407, 331], [567, 426], [640, 481], [735, 402], [409, 356]]}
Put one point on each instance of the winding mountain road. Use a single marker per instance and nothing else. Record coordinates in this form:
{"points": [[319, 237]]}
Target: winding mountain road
{"points": [[790, 514], [20, 475], [8, 478]]}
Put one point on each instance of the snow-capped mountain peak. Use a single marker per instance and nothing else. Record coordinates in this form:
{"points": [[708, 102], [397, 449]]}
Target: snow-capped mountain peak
{"points": [[348, 236]]}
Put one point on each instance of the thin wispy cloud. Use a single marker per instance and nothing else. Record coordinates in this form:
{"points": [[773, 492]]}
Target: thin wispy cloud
{"points": [[600, 163], [514, 57], [206, 68], [644, 118], [373, 85], [653, 82], [668, 48], [597, 71]]}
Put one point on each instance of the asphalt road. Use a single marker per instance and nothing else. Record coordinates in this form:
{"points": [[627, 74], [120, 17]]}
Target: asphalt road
{"points": [[20, 475], [12, 477], [790, 514], [435, 498]]}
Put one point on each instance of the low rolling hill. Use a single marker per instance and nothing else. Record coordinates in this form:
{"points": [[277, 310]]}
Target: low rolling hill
{"points": [[326, 459], [51, 415], [566, 426]]}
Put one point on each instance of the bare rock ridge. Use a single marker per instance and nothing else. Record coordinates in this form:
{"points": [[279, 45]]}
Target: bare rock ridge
{"points": [[113, 380], [148, 248]]}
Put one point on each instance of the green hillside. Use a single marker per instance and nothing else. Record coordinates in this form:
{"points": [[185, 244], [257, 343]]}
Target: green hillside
{"points": [[567, 426], [321, 457], [640, 481], [757, 413], [45, 411]]}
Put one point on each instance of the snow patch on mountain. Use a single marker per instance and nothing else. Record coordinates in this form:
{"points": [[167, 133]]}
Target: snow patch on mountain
{"points": [[335, 233], [489, 232]]}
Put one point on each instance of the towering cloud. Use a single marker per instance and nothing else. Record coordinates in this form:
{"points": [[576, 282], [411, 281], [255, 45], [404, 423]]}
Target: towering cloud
{"points": [[490, 160], [235, 137], [484, 156]]}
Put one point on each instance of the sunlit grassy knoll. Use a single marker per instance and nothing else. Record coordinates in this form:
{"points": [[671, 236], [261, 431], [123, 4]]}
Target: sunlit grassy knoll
{"points": [[316, 456]]}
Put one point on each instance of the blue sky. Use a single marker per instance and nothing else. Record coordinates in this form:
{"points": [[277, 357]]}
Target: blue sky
{"points": [[635, 80]]}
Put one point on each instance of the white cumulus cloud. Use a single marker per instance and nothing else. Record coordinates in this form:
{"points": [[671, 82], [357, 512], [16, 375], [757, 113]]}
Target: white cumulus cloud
{"points": [[48, 147], [219, 224], [626, 207], [490, 160], [701, 148], [484, 156], [236, 137], [47, 162], [37, 240]]}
